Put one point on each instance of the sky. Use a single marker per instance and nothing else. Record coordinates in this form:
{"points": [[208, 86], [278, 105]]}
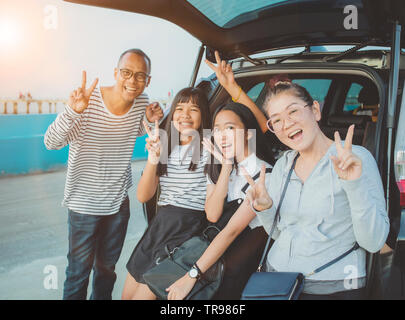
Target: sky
{"points": [[45, 45]]}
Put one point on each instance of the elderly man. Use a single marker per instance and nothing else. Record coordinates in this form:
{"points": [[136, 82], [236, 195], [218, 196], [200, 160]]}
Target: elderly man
{"points": [[101, 124]]}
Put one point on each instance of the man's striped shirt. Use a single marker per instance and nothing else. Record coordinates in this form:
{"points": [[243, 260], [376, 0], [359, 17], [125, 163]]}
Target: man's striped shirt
{"points": [[101, 145]]}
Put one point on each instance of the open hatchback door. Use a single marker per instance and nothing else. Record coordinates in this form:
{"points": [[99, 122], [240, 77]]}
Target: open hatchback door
{"points": [[238, 27]]}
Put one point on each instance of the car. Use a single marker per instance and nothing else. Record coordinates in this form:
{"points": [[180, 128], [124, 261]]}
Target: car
{"points": [[363, 84]]}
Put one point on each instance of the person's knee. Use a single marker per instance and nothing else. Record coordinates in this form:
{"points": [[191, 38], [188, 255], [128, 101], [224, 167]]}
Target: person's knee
{"points": [[130, 287], [126, 295]]}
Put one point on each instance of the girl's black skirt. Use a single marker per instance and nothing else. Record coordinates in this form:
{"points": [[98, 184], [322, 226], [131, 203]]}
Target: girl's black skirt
{"points": [[170, 227]]}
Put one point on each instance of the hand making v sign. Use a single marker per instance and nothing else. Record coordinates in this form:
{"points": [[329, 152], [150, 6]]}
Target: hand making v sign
{"points": [[153, 143], [223, 71], [257, 194], [210, 147], [79, 98], [346, 164]]}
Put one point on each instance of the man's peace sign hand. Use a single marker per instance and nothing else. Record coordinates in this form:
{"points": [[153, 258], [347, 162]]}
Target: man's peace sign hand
{"points": [[257, 194], [79, 98], [346, 164]]}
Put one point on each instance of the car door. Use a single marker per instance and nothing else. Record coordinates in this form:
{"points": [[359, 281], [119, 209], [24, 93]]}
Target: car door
{"points": [[395, 282]]}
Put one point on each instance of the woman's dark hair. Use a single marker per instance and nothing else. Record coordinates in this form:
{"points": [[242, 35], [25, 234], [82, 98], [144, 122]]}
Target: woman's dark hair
{"points": [[263, 149], [195, 96], [284, 86]]}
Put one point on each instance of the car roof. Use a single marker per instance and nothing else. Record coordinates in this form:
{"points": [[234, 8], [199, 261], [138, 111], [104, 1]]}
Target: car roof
{"points": [[240, 27]]}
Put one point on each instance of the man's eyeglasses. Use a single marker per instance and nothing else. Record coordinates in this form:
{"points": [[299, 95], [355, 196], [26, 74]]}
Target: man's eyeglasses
{"points": [[139, 76], [294, 113]]}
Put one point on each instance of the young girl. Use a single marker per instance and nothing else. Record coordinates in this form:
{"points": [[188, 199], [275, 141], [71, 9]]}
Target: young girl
{"points": [[236, 133], [334, 199], [182, 187]]}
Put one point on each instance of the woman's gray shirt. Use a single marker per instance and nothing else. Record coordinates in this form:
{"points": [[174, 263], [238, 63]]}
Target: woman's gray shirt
{"points": [[323, 218]]}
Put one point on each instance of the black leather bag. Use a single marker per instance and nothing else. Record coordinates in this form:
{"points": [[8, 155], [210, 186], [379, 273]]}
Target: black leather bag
{"points": [[280, 285], [273, 286], [179, 261]]}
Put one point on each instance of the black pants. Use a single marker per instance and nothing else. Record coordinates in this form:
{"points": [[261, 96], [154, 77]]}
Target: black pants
{"points": [[95, 242]]}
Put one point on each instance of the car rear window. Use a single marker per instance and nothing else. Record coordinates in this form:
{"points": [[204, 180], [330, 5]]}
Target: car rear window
{"points": [[317, 88], [230, 13], [352, 102]]}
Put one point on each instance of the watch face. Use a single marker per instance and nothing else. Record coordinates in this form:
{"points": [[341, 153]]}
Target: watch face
{"points": [[193, 273]]}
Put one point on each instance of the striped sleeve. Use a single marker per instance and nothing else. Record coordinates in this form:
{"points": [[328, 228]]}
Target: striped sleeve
{"points": [[64, 130]]}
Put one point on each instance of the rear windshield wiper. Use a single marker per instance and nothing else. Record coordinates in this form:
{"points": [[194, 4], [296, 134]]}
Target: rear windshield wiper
{"points": [[343, 54], [306, 50], [254, 61]]}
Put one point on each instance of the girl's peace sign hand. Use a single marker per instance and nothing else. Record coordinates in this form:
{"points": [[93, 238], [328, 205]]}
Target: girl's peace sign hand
{"points": [[347, 165], [79, 98], [215, 152], [257, 194], [223, 71], [153, 144]]}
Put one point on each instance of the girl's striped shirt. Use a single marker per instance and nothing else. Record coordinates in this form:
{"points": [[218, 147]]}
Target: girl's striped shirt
{"points": [[182, 187]]}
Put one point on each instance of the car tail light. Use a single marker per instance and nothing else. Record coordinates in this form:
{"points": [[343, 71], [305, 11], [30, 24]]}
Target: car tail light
{"points": [[400, 174]]}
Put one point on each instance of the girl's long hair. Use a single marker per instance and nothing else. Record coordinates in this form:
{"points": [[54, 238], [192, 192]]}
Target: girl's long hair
{"points": [[263, 148], [198, 97]]}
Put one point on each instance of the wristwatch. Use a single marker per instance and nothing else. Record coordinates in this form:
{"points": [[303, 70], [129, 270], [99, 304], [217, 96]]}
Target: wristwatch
{"points": [[195, 272]]}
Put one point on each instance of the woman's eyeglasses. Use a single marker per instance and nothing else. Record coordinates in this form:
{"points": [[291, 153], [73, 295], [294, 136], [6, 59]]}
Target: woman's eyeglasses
{"points": [[295, 113]]}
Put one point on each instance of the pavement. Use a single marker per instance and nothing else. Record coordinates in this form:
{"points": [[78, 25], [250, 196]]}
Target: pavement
{"points": [[34, 241]]}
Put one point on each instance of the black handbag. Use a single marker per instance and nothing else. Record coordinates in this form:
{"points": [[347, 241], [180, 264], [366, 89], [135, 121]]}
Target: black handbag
{"points": [[179, 261], [280, 285]]}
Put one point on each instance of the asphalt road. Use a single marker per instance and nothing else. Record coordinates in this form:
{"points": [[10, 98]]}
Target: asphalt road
{"points": [[33, 236]]}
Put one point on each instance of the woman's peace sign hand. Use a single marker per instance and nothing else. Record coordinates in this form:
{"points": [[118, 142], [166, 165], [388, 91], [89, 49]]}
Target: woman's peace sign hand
{"points": [[223, 71], [208, 145], [153, 143], [79, 98], [257, 194], [347, 165]]}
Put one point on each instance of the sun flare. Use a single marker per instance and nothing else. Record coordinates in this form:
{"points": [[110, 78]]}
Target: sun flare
{"points": [[9, 34]]}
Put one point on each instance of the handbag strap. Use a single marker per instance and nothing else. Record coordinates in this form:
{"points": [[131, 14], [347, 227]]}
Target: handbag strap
{"points": [[267, 248], [355, 247]]}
